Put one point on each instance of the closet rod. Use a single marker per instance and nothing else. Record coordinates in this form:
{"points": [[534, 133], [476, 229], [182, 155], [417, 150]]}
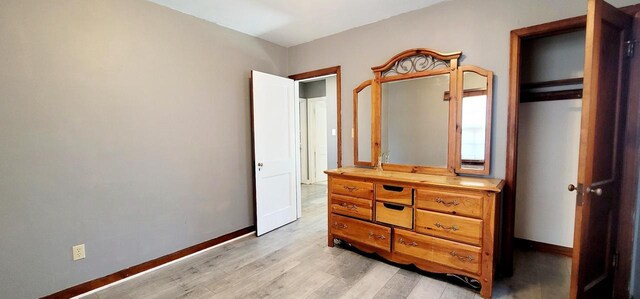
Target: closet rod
{"points": [[552, 83], [529, 93]]}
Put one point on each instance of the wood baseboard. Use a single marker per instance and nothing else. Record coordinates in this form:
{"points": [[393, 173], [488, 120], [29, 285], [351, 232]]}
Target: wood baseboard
{"points": [[122, 274], [543, 247]]}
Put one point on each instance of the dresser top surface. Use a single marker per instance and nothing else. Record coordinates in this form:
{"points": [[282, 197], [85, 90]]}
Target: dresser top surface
{"points": [[485, 184]]}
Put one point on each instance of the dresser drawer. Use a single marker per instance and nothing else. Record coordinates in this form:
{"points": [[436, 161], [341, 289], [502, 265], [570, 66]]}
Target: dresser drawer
{"points": [[451, 202], [374, 235], [466, 230], [451, 254], [352, 188], [352, 206], [394, 194], [394, 214]]}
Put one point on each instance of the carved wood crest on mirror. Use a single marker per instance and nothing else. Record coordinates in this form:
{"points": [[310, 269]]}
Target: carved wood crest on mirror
{"points": [[423, 113]]}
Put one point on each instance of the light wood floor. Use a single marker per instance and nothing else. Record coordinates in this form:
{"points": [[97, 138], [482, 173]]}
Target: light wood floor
{"points": [[294, 262]]}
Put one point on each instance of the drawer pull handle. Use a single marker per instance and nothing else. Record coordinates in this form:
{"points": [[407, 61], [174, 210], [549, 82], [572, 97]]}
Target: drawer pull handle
{"points": [[339, 225], [447, 203], [467, 259], [350, 188], [447, 228], [410, 244], [393, 207], [349, 207], [376, 237], [392, 188]]}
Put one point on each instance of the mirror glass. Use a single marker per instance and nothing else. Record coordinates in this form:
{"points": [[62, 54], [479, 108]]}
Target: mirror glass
{"points": [[363, 123], [474, 121], [415, 121]]}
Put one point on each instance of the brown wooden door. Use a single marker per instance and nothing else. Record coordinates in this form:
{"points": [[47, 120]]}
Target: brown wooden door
{"points": [[605, 79]]}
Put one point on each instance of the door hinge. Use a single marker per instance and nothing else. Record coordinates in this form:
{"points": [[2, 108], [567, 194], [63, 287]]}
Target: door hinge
{"points": [[630, 44], [579, 195], [614, 263]]}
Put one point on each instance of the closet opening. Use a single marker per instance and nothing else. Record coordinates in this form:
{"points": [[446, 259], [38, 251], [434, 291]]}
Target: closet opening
{"points": [[546, 73], [564, 76], [548, 140], [549, 109]]}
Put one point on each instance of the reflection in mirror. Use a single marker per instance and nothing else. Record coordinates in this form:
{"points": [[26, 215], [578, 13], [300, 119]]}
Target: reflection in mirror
{"points": [[474, 121], [363, 124], [415, 121]]}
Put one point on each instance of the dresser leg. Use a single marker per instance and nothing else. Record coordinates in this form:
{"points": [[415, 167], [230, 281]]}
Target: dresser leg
{"points": [[330, 240], [486, 290]]}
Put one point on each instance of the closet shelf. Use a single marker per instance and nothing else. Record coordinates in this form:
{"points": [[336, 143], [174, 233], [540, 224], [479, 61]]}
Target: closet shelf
{"points": [[564, 89]]}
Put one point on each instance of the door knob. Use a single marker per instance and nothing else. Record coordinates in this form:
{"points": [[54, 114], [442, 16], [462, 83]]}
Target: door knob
{"points": [[573, 187], [597, 191], [260, 164]]}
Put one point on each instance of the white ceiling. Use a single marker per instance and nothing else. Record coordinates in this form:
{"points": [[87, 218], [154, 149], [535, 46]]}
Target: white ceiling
{"points": [[293, 22]]}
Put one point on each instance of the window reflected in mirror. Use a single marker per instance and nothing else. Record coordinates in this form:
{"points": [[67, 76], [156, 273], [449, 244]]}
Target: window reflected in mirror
{"points": [[415, 121], [473, 121]]}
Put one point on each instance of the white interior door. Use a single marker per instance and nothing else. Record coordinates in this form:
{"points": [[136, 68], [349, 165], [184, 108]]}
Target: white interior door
{"points": [[275, 152], [318, 124]]}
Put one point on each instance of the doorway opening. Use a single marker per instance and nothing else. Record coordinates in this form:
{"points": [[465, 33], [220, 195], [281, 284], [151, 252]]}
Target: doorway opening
{"points": [[319, 137]]}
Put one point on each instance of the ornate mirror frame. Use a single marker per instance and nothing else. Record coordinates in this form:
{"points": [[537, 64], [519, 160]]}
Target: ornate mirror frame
{"points": [[410, 64], [417, 63], [356, 159], [487, 137]]}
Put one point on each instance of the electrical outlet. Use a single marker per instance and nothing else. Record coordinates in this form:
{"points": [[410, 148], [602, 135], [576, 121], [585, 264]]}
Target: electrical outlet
{"points": [[78, 252]]}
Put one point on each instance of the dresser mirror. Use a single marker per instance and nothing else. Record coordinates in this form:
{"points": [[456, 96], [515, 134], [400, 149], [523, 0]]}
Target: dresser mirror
{"points": [[414, 112], [362, 124], [424, 114], [474, 118]]}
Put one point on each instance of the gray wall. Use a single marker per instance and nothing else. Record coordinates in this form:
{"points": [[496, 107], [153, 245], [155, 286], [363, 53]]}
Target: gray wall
{"points": [[123, 125], [313, 89], [480, 29], [554, 57]]}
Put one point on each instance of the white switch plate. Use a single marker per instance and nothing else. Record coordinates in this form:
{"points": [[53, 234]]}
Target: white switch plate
{"points": [[333, 132], [78, 252]]}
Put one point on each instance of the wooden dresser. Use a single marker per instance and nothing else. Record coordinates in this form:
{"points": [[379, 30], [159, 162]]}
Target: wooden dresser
{"points": [[441, 224]]}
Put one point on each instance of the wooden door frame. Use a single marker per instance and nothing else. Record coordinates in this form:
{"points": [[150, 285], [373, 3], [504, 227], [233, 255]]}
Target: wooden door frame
{"points": [[632, 162], [334, 70]]}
